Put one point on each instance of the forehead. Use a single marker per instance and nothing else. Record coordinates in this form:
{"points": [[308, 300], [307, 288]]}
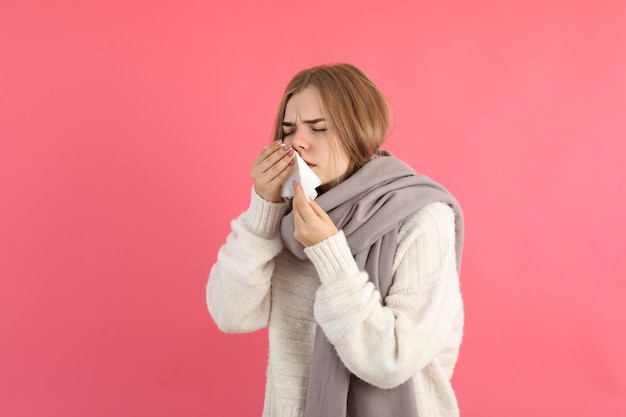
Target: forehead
{"points": [[306, 104]]}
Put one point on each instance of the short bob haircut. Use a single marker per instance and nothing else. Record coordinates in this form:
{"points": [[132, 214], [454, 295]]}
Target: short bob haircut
{"points": [[357, 112]]}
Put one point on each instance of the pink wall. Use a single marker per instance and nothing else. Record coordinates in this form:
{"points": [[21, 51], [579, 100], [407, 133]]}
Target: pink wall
{"points": [[127, 131]]}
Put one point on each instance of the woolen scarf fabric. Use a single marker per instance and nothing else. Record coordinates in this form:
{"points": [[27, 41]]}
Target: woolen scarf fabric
{"points": [[368, 207]]}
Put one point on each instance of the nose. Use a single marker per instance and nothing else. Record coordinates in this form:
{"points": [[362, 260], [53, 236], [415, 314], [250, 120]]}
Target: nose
{"points": [[299, 138]]}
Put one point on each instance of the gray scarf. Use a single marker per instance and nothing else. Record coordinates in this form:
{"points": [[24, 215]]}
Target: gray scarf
{"points": [[368, 207]]}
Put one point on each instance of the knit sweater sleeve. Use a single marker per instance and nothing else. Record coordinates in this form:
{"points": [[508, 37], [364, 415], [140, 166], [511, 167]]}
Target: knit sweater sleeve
{"points": [[238, 289], [387, 343]]}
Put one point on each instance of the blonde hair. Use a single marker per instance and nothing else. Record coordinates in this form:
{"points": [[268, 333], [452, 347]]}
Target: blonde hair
{"points": [[355, 109]]}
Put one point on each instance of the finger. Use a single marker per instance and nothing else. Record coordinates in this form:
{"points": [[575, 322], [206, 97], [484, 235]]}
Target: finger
{"points": [[272, 155], [296, 203], [267, 151], [318, 210], [275, 157], [277, 165], [277, 161], [300, 202], [281, 169]]}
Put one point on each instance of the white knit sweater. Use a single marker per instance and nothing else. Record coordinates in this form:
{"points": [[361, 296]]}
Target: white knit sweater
{"points": [[416, 334]]}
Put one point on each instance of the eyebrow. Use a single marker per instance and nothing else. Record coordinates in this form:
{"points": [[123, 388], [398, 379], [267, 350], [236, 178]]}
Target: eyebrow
{"points": [[309, 122]]}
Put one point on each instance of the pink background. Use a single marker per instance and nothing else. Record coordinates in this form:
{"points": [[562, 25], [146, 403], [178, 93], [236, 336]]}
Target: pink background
{"points": [[127, 132]]}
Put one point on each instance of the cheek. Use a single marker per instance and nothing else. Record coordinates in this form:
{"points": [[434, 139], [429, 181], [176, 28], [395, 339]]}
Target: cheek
{"points": [[343, 163]]}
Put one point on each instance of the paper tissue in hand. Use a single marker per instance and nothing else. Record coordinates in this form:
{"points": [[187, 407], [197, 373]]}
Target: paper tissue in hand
{"points": [[304, 176]]}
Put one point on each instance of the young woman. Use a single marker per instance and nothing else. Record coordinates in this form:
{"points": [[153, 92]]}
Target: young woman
{"points": [[359, 287]]}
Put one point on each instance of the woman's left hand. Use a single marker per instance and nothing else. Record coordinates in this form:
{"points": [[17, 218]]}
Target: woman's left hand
{"points": [[312, 224]]}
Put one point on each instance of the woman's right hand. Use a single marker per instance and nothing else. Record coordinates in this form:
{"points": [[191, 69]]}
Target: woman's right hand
{"points": [[271, 168]]}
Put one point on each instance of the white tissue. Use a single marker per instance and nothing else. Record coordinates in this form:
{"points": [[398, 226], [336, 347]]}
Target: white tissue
{"points": [[304, 176]]}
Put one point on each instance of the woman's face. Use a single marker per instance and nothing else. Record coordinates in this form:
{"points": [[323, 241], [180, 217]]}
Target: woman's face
{"points": [[306, 130]]}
